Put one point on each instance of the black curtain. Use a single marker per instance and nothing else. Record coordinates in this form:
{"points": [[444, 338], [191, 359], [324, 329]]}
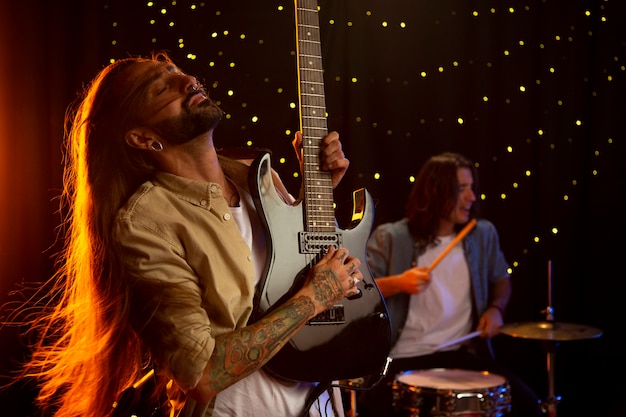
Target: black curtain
{"points": [[533, 92]]}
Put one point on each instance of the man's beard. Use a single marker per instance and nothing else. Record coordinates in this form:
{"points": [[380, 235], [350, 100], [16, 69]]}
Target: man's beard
{"points": [[191, 123]]}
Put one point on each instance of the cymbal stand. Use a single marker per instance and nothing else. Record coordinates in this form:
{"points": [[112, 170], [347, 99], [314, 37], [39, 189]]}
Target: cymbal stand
{"points": [[552, 401]]}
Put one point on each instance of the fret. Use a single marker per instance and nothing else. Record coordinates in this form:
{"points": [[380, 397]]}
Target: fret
{"points": [[312, 73], [313, 42], [313, 84], [316, 57], [313, 119]]}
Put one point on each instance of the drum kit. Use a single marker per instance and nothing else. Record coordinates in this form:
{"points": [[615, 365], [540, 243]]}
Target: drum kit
{"points": [[461, 393]]}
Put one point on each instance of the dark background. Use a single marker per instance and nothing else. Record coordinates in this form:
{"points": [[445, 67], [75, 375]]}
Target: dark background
{"points": [[532, 91]]}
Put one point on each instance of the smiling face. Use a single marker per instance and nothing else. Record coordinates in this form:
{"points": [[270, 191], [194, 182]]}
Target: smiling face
{"points": [[174, 105], [460, 212]]}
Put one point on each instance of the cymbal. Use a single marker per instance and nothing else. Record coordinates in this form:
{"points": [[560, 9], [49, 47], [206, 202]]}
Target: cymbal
{"points": [[550, 330]]}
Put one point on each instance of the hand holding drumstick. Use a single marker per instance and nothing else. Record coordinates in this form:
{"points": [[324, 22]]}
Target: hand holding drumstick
{"points": [[411, 281], [414, 280], [417, 279]]}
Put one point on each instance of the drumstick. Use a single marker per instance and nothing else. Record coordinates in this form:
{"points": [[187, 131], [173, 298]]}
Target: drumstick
{"points": [[452, 244], [459, 340]]}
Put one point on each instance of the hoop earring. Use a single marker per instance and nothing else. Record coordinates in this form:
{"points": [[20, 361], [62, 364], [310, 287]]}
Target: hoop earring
{"points": [[156, 146]]}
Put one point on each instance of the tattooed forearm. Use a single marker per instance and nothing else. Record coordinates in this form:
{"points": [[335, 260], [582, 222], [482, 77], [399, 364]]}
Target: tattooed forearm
{"points": [[239, 353]]}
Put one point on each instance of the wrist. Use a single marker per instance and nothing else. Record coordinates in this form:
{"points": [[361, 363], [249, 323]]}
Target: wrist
{"points": [[497, 307]]}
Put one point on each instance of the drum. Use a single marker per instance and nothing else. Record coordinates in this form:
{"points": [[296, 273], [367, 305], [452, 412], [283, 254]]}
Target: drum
{"points": [[451, 393]]}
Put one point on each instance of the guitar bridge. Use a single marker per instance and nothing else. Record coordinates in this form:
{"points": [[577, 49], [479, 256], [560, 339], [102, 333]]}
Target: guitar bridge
{"points": [[334, 315], [315, 242]]}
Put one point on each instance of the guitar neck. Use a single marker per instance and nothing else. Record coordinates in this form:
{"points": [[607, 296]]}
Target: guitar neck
{"points": [[318, 190], [324, 349]]}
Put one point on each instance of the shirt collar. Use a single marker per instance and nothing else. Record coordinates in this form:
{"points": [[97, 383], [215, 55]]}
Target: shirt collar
{"points": [[201, 193]]}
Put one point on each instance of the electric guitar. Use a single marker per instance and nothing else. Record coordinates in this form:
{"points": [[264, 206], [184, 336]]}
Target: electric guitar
{"points": [[353, 338]]}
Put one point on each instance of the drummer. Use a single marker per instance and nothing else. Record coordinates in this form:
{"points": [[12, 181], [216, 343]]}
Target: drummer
{"points": [[467, 291]]}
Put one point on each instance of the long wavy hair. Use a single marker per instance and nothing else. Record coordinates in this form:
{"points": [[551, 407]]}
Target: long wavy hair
{"points": [[435, 193], [86, 350]]}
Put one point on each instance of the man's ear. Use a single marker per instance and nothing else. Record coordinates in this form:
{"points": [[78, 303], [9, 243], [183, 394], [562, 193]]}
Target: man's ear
{"points": [[140, 138]]}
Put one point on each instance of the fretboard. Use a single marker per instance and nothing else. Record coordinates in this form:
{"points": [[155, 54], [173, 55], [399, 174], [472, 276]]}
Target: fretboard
{"points": [[318, 190]]}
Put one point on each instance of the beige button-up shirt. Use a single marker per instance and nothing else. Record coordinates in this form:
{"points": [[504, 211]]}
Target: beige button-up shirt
{"points": [[194, 271]]}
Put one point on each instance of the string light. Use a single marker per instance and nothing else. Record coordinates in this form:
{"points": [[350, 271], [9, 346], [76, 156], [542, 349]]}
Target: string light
{"points": [[403, 83]]}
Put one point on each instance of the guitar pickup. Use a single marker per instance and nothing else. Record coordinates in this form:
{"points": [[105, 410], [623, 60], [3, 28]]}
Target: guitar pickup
{"points": [[315, 242], [334, 315]]}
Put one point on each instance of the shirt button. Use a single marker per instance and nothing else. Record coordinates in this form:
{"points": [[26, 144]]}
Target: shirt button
{"points": [[204, 203], [213, 188], [227, 216]]}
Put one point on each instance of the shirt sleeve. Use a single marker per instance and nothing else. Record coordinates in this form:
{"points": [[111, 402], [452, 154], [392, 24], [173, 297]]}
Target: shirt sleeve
{"points": [[166, 306], [378, 250], [498, 265]]}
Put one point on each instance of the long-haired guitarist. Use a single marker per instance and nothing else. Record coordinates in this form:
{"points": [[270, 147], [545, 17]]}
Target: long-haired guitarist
{"points": [[162, 253]]}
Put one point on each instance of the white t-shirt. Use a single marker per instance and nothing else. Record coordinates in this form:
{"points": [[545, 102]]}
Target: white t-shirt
{"points": [[442, 312], [260, 394]]}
